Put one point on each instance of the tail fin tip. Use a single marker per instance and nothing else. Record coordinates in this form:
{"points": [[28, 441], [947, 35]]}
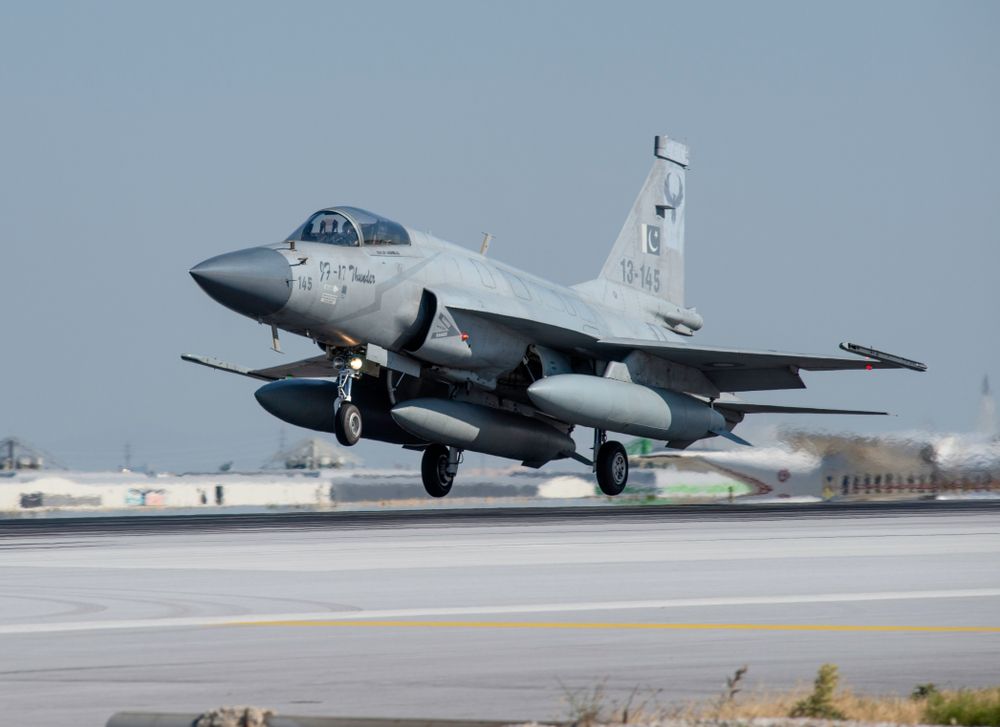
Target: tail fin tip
{"points": [[671, 150]]}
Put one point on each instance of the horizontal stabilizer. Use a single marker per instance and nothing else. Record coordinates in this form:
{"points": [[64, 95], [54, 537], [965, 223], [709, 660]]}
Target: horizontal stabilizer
{"points": [[744, 408], [726, 434]]}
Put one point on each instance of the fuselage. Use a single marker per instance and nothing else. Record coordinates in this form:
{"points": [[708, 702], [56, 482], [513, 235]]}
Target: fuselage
{"points": [[372, 293], [367, 289]]}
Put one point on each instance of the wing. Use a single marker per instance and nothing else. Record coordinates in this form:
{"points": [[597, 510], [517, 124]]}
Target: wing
{"points": [[728, 369], [310, 368], [732, 369]]}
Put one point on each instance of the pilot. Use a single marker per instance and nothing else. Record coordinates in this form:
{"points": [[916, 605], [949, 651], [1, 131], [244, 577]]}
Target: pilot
{"points": [[350, 235], [332, 226]]}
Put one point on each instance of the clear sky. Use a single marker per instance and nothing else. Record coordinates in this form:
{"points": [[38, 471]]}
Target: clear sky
{"points": [[844, 185]]}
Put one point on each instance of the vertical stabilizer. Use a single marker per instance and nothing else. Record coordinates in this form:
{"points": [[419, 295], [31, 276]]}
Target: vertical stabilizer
{"points": [[645, 269]]}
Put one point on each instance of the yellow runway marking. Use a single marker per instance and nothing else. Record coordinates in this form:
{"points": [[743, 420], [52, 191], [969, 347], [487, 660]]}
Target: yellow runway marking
{"points": [[585, 625]]}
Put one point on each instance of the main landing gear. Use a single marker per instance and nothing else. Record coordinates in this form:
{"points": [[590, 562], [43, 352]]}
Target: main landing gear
{"points": [[610, 464], [438, 468], [439, 465]]}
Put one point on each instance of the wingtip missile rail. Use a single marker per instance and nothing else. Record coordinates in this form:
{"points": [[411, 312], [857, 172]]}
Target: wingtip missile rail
{"points": [[882, 356]]}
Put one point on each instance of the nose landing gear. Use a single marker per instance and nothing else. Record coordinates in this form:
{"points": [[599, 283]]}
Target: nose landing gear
{"points": [[347, 422]]}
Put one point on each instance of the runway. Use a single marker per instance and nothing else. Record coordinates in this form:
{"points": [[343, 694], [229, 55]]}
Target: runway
{"points": [[445, 513], [488, 613]]}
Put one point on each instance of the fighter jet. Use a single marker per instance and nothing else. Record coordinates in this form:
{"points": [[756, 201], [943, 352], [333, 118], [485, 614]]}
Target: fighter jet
{"points": [[441, 349]]}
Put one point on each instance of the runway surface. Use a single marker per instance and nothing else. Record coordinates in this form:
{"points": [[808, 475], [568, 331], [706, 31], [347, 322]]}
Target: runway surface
{"points": [[488, 613]]}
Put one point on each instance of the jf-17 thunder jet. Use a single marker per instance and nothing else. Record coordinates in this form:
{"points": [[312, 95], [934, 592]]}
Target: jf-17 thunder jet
{"points": [[441, 349]]}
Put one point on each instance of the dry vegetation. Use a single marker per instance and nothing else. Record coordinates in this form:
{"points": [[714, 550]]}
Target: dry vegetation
{"points": [[927, 705], [863, 708]]}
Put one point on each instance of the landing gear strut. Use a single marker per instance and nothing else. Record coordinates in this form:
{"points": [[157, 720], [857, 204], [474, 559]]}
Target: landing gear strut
{"points": [[610, 464], [438, 468], [347, 421]]}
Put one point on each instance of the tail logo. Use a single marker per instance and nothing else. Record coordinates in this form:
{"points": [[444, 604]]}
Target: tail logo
{"points": [[673, 193]]}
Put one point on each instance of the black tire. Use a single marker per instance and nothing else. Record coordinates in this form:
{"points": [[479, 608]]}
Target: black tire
{"points": [[348, 424], [612, 468], [434, 471]]}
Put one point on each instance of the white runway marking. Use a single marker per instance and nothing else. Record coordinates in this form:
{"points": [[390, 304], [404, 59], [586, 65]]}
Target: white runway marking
{"points": [[408, 613]]}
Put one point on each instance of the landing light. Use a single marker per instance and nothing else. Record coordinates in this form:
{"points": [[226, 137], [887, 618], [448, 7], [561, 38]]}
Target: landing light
{"points": [[355, 362]]}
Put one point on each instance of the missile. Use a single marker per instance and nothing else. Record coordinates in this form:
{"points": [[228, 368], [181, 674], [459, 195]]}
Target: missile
{"points": [[312, 403], [482, 429], [627, 408]]}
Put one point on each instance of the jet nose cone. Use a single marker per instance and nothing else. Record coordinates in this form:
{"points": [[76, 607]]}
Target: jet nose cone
{"points": [[254, 282]]}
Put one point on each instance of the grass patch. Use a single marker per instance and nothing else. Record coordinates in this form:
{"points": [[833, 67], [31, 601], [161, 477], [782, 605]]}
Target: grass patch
{"points": [[820, 703], [964, 707], [864, 708]]}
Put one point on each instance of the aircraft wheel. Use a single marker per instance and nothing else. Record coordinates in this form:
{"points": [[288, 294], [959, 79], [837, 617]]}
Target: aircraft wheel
{"points": [[348, 424], [612, 468], [434, 471]]}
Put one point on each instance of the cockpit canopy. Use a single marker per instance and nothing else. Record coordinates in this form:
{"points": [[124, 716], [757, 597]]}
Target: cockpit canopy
{"points": [[350, 226]]}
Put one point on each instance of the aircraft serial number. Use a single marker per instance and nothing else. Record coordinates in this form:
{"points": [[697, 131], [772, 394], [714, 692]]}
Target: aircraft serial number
{"points": [[645, 276]]}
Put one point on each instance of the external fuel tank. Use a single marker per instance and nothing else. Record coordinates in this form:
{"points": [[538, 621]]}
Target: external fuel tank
{"points": [[483, 429], [623, 407]]}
